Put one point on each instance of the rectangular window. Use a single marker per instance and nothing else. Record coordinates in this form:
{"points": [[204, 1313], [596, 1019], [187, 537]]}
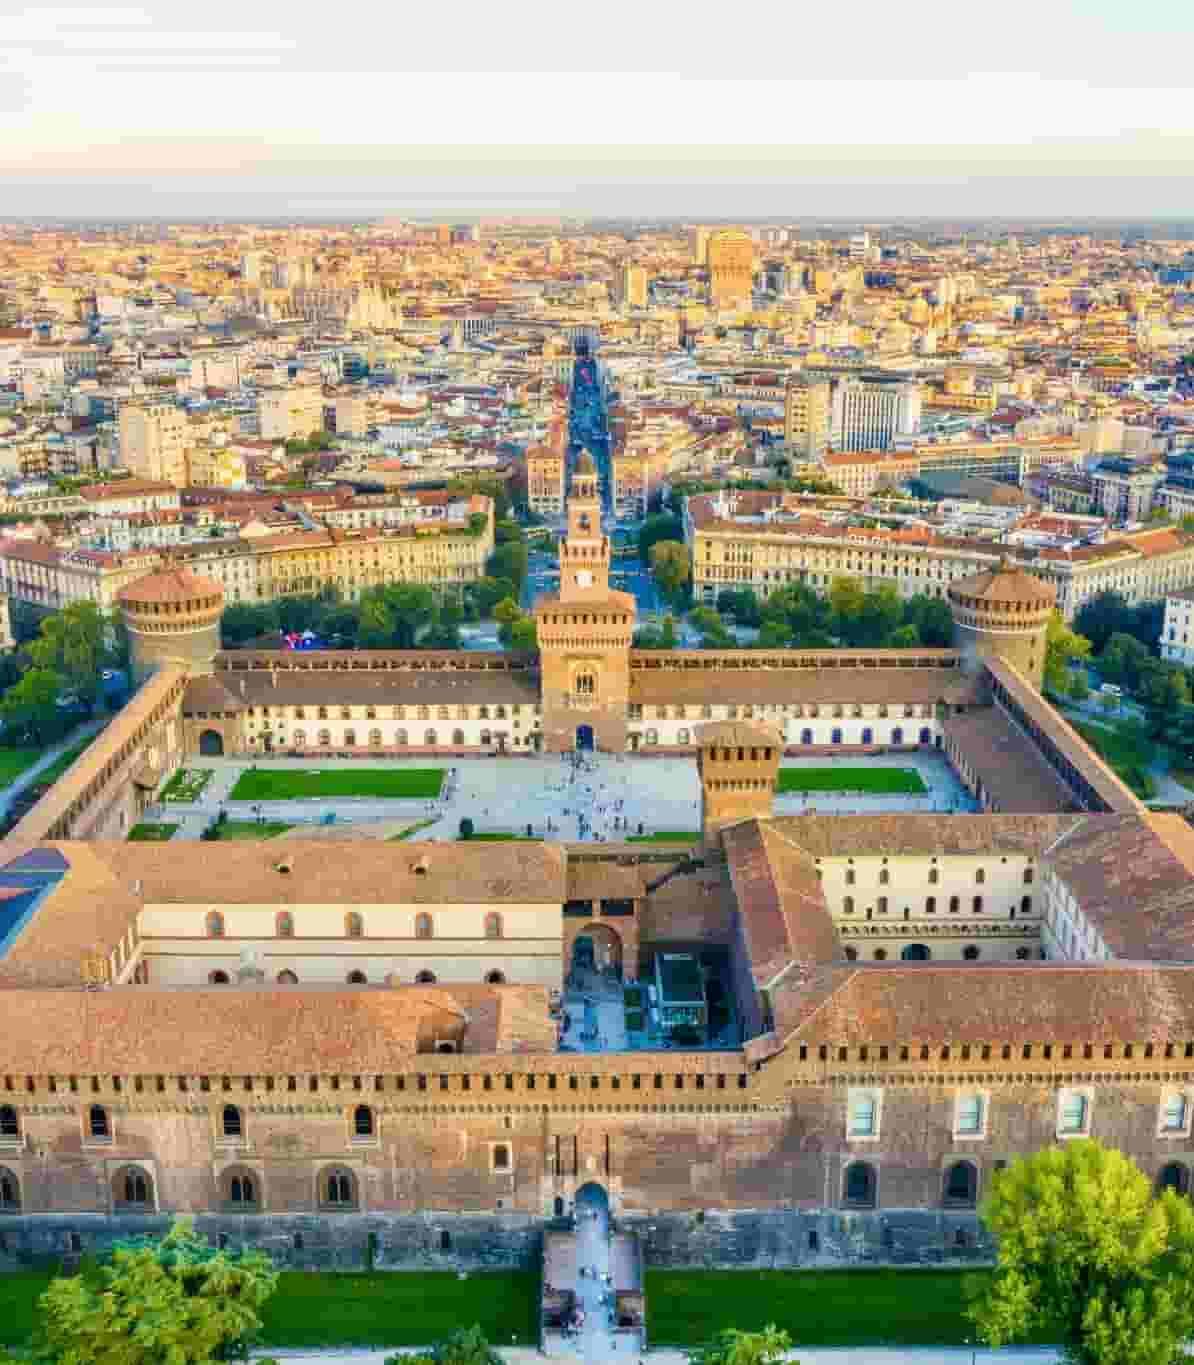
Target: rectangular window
{"points": [[862, 1116], [1074, 1112], [970, 1116], [1177, 1110]]}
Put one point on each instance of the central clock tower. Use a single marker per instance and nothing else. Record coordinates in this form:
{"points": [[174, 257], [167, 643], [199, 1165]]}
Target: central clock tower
{"points": [[584, 633]]}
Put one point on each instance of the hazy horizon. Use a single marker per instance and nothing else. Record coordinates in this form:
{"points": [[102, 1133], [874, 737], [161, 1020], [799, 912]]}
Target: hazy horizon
{"points": [[264, 112]]}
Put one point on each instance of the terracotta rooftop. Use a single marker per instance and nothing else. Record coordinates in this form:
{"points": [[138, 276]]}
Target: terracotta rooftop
{"points": [[734, 732], [174, 584], [1005, 585]]}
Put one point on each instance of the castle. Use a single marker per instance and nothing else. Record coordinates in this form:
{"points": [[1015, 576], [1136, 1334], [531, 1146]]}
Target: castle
{"points": [[323, 1047]]}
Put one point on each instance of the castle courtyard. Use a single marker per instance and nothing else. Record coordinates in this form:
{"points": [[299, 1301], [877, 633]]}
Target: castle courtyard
{"points": [[596, 797]]}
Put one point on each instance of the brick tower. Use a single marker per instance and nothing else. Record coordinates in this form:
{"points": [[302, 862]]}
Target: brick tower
{"points": [[1003, 614], [737, 764], [173, 618], [584, 633]]}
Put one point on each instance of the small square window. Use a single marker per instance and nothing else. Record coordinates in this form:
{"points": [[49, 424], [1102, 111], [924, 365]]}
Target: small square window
{"points": [[863, 1114], [1073, 1113], [970, 1118], [1175, 1116]]}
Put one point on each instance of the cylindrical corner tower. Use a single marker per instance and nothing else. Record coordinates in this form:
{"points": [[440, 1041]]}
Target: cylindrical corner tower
{"points": [[173, 618], [1003, 614]]}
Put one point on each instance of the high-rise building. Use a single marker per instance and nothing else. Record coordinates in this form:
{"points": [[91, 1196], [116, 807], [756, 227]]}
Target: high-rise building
{"points": [[292, 413], [868, 414], [860, 246], [698, 242], [153, 442], [806, 416], [731, 257], [630, 286]]}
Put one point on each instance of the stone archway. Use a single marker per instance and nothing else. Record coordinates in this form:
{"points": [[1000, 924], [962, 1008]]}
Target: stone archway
{"points": [[595, 949], [211, 744], [584, 738], [915, 952]]}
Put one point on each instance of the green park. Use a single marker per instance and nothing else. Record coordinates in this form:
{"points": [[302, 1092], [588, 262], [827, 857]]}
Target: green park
{"points": [[297, 784], [851, 780]]}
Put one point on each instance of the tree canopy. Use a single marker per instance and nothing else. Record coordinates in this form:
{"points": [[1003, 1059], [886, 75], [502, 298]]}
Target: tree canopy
{"points": [[1089, 1257], [1063, 645], [669, 564], [734, 1347], [174, 1302]]}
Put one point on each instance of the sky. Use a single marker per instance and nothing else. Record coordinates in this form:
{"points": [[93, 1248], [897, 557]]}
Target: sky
{"points": [[1048, 108]]}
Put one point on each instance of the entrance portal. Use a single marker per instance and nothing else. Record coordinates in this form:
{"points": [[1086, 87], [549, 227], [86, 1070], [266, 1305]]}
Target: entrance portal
{"points": [[584, 737], [916, 952], [592, 1198], [596, 950], [211, 744]]}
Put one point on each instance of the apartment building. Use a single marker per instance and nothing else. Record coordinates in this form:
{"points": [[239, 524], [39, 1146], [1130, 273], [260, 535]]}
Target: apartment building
{"points": [[153, 440], [868, 414], [1177, 629], [545, 480], [807, 413], [629, 287], [290, 414]]}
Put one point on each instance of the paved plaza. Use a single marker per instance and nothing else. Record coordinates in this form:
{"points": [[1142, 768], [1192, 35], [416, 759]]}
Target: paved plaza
{"points": [[844, 1355], [598, 797]]}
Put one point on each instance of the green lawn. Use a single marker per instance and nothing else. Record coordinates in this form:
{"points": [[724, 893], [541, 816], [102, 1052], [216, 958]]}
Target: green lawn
{"points": [[818, 1307], [187, 784], [291, 784], [498, 836], [873, 781], [1128, 755], [51, 774], [13, 763], [410, 831], [667, 836], [151, 834], [250, 829], [315, 1310]]}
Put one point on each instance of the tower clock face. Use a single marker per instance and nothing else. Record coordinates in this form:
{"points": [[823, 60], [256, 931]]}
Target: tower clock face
{"points": [[584, 579]]}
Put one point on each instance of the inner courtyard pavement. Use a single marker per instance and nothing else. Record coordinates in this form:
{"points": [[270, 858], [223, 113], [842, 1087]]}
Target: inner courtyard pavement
{"points": [[567, 797]]}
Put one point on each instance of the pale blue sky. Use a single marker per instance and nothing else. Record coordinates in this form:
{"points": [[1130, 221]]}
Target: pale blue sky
{"points": [[1076, 107]]}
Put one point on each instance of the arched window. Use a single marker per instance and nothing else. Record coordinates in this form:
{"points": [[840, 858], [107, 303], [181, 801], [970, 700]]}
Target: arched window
{"points": [[806, 736], [493, 925], [881, 905], [338, 1188], [961, 1184], [425, 978], [868, 735], [955, 905], [884, 876], [978, 905], [375, 739], [284, 924], [925, 736], [835, 737], [1028, 876], [240, 1188], [586, 685], [1023, 954], [10, 1191], [232, 1125], [880, 954], [858, 1185], [897, 736], [486, 737], [300, 739], [401, 739], [354, 925], [848, 905], [501, 1156], [215, 924], [457, 737], [357, 979], [132, 1185], [980, 876], [10, 1125], [423, 925], [930, 905], [217, 978], [851, 954], [287, 978], [325, 739], [1174, 1176], [495, 978], [363, 1125], [350, 739], [934, 876], [99, 1126], [431, 739], [1026, 905], [970, 952]]}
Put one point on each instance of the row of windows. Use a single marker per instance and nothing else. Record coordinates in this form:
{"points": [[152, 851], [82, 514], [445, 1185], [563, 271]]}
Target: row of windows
{"points": [[920, 952], [354, 925], [354, 978], [955, 905], [486, 712], [1074, 1108], [980, 876]]}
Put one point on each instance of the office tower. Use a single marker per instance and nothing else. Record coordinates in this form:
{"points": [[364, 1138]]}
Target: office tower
{"points": [[806, 416], [731, 256], [868, 414], [630, 287], [153, 441], [698, 242]]}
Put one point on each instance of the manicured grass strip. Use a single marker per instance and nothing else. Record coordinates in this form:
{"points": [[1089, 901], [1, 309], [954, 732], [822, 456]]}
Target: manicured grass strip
{"points": [[250, 829], [13, 762], [292, 784], [19, 1294], [410, 831], [872, 781], [314, 1310], [51, 774], [500, 836], [818, 1307], [151, 834], [400, 1309], [187, 784], [1127, 756], [666, 836]]}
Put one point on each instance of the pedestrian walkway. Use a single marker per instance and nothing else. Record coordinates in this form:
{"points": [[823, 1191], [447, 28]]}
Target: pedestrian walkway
{"points": [[51, 755]]}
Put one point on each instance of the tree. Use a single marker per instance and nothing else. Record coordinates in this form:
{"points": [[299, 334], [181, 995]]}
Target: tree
{"points": [[663, 526], [466, 1346], [171, 1302], [1122, 660], [30, 709], [1061, 646], [742, 604], [1163, 691], [1079, 688], [714, 634], [466, 827], [1089, 1258], [72, 644], [510, 561], [846, 597], [932, 618], [733, 1347], [775, 635], [657, 637], [669, 564]]}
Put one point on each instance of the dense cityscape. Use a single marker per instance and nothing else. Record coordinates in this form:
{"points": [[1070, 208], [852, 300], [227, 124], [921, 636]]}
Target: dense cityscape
{"points": [[697, 720]]}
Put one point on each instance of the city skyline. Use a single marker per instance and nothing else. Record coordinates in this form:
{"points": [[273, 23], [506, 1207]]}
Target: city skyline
{"points": [[119, 111]]}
